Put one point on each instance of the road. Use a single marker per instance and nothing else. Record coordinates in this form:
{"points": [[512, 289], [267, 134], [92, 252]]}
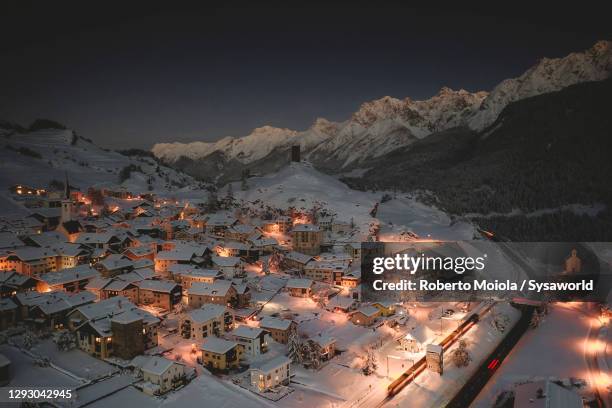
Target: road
{"points": [[479, 379]]}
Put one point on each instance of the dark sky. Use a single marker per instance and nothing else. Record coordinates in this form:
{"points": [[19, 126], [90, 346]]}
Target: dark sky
{"points": [[133, 76]]}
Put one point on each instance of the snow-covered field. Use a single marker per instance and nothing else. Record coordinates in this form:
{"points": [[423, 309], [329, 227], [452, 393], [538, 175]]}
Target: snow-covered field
{"points": [[555, 349], [302, 186]]}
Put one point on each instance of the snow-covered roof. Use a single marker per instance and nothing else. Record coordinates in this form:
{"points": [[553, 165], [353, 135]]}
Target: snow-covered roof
{"points": [[95, 238], [47, 238], [77, 273], [175, 255], [275, 323], [420, 333], [272, 364], [225, 261], [242, 229], [247, 332], [33, 253], [552, 396], [118, 285], [342, 302], [298, 257], [217, 345], [368, 311], [324, 340], [299, 283], [9, 240], [157, 285], [157, 365], [207, 312], [7, 304], [114, 262], [126, 317], [218, 288]]}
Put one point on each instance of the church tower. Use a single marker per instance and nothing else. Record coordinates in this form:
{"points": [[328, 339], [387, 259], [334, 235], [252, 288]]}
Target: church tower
{"points": [[66, 203]]}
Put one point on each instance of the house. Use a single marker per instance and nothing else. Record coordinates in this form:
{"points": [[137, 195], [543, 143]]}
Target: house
{"points": [[220, 355], [140, 252], [67, 280], [183, 255], [352, 279], [341, 304], [161, 375], [300, 287], [284, 224], [30, 261], [365, 316], [330, 272], [49, 217], [271, 373], [186, 275], [100, 240], [113, 265], [280, 329], [243, 295], [325, 346], [113, 327], [307, 239], [239, 232], [253, 339], [232, 248], [262, 246], [221, 292], [416, 339], [70, 255], [119, 287], [230, 266], [353, 249], [386, 308], [545, 394], [52, 308], [217, 223], [159, 293], [209, 320], [296, 260], [12, 283]]}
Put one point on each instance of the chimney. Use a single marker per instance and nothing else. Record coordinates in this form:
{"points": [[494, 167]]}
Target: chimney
{"points": [[295, 153]]}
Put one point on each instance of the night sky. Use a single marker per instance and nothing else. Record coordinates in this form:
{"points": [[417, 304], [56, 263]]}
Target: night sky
{"points": [[134, 76]]}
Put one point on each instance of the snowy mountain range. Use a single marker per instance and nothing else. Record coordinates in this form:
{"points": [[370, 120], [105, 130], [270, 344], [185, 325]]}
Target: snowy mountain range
{"points": [[385, 124]]}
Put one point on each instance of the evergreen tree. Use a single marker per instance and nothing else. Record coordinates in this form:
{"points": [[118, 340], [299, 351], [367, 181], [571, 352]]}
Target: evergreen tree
{"points": [[293, 347]]}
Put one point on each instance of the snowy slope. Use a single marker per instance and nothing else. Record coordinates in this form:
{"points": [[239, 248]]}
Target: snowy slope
{"points": [[301, 186], [85, 164], [382, 125]]}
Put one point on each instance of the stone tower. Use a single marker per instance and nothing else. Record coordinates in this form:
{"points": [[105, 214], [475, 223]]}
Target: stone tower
{"points": [[295, 153], [66, 203], [435, 358]]}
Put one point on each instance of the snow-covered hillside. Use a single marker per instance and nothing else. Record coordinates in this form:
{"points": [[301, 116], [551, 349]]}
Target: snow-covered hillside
{"points": [[37, 158], [594, 64], [385, 124], [301, 186]]}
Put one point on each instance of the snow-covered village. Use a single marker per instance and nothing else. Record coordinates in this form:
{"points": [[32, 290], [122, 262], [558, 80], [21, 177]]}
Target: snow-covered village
{"points": [[155, 293], [217, 206]]}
